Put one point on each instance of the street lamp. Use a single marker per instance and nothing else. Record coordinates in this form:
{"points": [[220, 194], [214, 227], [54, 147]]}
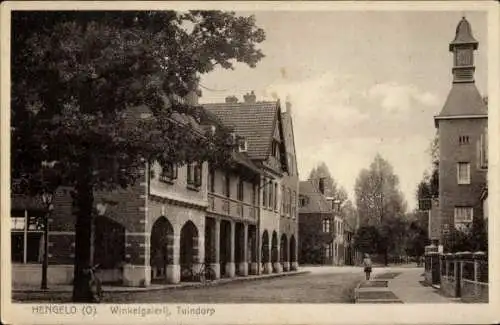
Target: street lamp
{"points": [[47, 199]]}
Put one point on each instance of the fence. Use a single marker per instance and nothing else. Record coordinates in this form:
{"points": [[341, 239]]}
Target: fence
{"points": [[461, 275]]}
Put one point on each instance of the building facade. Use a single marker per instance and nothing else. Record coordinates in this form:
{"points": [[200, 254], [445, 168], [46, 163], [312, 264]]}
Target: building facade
{"points": [[174, 219], [270, 146], [461, 125], [317, 225]]}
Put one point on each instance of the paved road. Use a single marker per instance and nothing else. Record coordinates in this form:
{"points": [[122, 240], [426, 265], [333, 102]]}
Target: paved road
{"points": [[322, 285]]}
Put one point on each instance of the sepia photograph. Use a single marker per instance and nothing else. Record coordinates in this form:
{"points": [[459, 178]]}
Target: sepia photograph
{"points": [[167, 162]]}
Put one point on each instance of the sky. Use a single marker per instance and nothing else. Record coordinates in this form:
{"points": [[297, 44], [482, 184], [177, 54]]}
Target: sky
{"points": [[360, 83]]}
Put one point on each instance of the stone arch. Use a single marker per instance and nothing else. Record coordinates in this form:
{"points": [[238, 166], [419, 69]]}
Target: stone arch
{"points": [[265, 247], [293, 247], [162, 247], [188, 248], [284, 257], [274, 248]]}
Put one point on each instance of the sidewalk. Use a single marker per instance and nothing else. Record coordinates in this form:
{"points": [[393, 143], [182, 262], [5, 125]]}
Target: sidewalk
{"points": [[406, 286], [107, 288]]}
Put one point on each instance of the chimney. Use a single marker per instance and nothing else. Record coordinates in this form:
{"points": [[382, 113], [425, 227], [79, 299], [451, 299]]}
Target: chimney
{"points": [[249, 98], [322, 185], [231, 99]]}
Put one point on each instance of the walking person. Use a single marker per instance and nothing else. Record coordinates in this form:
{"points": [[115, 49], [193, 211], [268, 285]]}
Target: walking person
{"points": [[367, 263]]}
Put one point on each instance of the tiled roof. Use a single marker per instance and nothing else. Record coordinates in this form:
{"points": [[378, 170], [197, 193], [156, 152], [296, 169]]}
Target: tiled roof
{"points": [[464, 99], [254, 121], [316, 202], [243, 160]]}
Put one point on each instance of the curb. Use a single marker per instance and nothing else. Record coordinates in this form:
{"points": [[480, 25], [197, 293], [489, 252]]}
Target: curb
{"points": [[171, 286]]}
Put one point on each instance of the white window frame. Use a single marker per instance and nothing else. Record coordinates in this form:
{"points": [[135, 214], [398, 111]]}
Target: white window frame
{"points": [[465, 180], [458, 218]]}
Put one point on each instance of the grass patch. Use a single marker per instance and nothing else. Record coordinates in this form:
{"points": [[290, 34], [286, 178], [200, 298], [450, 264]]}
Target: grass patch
{"points": [[377, 295], [389, 275], [374, 284]]}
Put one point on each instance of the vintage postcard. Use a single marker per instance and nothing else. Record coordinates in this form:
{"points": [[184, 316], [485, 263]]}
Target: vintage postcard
{"points": [[250, 162]]}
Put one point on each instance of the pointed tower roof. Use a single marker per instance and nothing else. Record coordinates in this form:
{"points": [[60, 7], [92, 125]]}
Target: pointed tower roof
{"points": [[464, 100], [463, 35]]}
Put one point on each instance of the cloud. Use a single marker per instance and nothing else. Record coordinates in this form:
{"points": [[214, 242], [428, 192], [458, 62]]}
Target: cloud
{"points": [[347, 157], [398, 98]]}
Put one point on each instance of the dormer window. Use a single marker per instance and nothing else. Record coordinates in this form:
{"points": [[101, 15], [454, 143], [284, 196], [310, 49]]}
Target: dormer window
{"points": [[275, 149], [242, 145]]}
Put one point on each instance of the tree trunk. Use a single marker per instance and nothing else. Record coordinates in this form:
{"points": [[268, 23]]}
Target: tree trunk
{"points": [[83, 232]]}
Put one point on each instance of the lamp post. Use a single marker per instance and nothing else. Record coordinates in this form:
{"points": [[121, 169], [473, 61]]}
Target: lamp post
{"points": [[47, 199]]}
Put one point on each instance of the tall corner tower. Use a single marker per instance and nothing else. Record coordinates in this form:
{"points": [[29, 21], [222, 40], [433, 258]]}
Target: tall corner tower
{"points": [[460, 125]]}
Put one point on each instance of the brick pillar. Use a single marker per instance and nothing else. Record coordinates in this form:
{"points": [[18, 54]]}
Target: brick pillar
{"points": [[243, 266], [173, 267], [137, 271], [230, 268], [216, 249]]}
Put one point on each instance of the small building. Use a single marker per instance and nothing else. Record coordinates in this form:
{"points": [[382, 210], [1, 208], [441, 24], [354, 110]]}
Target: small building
{"points": [[316, 225]]}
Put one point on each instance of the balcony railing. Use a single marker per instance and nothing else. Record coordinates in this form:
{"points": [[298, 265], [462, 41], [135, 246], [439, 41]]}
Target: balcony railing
{"points": [[232, 208]]}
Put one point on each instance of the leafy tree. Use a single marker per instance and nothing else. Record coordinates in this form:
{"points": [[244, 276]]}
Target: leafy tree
{"points": [[479, 235], [77, 74], [380, 203], [332, 189], [457, 240], [417, 239], [367, 239]]}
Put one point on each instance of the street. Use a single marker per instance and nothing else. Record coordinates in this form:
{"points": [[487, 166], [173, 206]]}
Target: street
{"points": [[321, 285]]}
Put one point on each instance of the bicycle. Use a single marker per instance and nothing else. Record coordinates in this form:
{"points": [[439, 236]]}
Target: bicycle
{"points": [[204, 274]]}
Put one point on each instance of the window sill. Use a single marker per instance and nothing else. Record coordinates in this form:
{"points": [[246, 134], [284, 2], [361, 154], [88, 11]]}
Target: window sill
{"points": [[169, 181], [193, 188]]}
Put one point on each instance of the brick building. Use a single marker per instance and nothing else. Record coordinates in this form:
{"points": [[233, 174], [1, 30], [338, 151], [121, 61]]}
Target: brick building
{"points": [[270, 146], [321, 230], [174, 217], [461, 127]]}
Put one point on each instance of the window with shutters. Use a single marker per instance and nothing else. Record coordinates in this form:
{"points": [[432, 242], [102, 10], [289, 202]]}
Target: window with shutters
{"points": [[270, 198], [275, 196], [265, 194], [463, 173], [211, 180], [241, 188], [168, 173], [227, 185], [326, 225], [194, 175]]}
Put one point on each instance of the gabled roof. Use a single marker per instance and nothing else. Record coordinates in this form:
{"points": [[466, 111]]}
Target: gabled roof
{"points": [[253, 121], [286, 118], [463, 100], [316, 202]]}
